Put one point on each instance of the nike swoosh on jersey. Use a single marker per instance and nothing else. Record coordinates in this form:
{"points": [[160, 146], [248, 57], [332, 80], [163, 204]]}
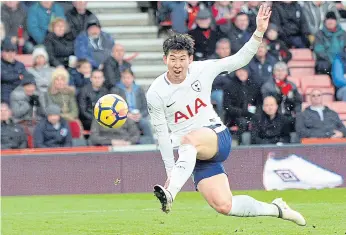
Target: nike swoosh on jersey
{"points": [[170, 104]]}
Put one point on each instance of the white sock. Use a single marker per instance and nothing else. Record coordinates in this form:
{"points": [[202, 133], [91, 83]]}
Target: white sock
{"points": [[246, 206], [183, 168]]}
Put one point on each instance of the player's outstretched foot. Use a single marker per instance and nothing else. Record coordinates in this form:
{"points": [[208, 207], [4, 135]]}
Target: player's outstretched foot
{"points": [[286, 213], [165, 198]]}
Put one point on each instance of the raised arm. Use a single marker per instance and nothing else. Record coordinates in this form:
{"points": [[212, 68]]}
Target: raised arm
{"points": [[158, 120], [247, 52]]}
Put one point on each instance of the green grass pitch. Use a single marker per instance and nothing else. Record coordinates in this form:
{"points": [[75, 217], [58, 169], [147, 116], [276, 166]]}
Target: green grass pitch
{"points": [[324, 210]]}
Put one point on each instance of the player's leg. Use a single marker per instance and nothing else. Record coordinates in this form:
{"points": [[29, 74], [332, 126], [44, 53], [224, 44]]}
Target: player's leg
{"points": [[217, 193], [201, 144]]}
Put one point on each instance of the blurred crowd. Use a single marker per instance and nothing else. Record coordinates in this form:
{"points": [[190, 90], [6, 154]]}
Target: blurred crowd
{"points": [[75, 63]]}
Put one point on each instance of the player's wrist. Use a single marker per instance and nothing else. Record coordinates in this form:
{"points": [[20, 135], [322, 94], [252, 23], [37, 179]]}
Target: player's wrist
{"points": [[259, 33]]}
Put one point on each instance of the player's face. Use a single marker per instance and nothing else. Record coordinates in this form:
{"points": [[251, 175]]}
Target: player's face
{"points": [[178, 64], [270, 106]]}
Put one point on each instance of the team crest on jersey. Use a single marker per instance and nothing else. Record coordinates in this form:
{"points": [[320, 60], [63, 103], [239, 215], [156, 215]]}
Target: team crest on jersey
{"points": [[196, 86]]}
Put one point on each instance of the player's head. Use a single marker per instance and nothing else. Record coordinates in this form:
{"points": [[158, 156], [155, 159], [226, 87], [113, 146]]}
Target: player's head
{"points": [[270, 105], [316, 97], [178, 54]]}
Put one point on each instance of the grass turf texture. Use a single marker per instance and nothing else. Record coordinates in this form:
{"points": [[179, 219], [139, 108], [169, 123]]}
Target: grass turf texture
{"points": [[325, 211]]}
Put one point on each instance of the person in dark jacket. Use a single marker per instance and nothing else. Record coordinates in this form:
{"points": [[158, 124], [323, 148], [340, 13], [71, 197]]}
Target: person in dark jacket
{"points": [[88, 97], [239, 34], [12, 135], [330, 41], [11, 70], [251, 10], [293, 28], [277, 48], [261, 66], [40, 16], [286, 92], [318, 121], [270, 127], [205, 37], [242, 98], [137, 103], [27, 103], [94, 44], [53, 131], [114, 65], [14, 16], [80, 76], [78, 17], [59, 44]]}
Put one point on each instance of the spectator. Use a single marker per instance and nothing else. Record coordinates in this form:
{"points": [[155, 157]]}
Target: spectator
{"points": [[78, 17], [276, 47], [315, 13], [251, 9], [11, 70], [53, 131], [12, 135], [59, 44], [89, 95], [318, 121], [270, 127], [27, 104], [40, 15], [239, 34], [223, 49], [126, 135], [80, 76], [176, 11], [261, 66], [339, 76], [113, 65], [60, 94], [2, 32], [223, 14], [290, 101], [205, 37], [293, 28], [330, 41], [94, 44], [193, 8], [242, 98], [14, 18], [41, 69], [137, 103]]}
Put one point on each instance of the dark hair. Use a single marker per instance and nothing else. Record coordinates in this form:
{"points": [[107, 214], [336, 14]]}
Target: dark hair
{"points": [[127, 70], [80, 62], [276, 97], [241, 13], [95, 71], [179, 42]]}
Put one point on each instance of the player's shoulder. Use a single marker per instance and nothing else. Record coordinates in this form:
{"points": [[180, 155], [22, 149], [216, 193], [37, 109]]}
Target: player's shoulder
{"points": [[158, 87], [197, 66]]}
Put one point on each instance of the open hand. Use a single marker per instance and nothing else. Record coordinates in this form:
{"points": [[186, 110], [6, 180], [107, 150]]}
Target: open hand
{"points": [[262, 19]]}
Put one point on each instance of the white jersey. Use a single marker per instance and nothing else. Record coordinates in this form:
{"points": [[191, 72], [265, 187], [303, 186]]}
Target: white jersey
{"points": [[187, 106]]}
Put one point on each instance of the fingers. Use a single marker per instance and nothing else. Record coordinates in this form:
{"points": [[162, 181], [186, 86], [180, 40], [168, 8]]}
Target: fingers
{"points": [[267, 10], [260, 11]]}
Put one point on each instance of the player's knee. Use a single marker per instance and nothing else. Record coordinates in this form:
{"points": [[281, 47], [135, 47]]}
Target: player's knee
{"points": [[224, 208]]}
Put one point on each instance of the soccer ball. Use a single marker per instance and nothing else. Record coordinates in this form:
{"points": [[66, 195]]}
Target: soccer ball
{"points": [[111, 111]]}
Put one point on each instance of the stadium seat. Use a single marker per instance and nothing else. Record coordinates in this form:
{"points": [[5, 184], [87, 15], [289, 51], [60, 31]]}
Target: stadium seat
{"points": [[320, 81], [323, 140], [328, 94], [76, 129], [295, 80], [342, 116], [302, 71], [27, 60], [301, 54], [338, 106], [301, 64], [344, 123]]}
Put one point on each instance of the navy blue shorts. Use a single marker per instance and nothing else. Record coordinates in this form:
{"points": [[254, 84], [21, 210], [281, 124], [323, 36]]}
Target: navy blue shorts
{"points": [[208, 168]]}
